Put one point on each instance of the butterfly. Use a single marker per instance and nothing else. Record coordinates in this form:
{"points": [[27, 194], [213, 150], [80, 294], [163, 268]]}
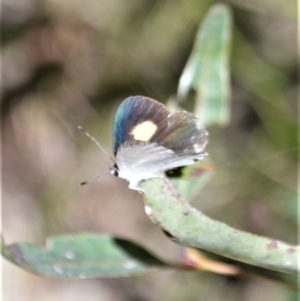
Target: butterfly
{"points": [[150, 140]]}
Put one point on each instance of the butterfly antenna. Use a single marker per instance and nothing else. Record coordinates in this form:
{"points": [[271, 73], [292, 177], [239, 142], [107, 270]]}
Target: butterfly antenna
{"points": [[95, 178], [97, 143]]}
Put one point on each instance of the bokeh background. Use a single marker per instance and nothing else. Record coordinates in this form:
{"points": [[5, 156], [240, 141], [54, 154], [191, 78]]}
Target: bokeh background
{"points": [[66, 63]]}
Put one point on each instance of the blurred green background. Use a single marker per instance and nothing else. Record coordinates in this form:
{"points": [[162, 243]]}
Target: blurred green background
{"points": [[66, 63]]}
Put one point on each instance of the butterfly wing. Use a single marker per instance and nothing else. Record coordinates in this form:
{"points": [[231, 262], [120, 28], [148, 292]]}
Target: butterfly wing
{"points": [[139, 160], [144, 119], [182, 134], [138, 118]]}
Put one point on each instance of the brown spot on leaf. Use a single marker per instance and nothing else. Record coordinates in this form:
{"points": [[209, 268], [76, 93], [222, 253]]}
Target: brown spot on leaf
{"points": [[291, 250], [272, 245], [199, 171], [17, 253]]}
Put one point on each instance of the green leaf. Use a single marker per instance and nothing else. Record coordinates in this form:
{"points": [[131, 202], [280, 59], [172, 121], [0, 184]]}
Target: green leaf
{"points": [[207, 69], [192, 228], [82, 256]]}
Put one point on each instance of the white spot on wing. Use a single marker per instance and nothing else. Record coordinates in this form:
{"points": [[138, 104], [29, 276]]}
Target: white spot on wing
{"points": [[144, 131]]}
